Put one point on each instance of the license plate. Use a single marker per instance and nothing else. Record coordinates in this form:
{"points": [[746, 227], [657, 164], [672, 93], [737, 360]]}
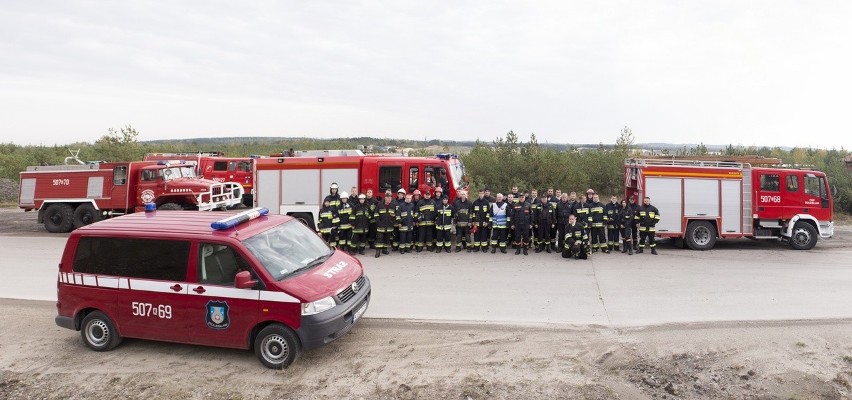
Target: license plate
{"points": [[360, 312]]}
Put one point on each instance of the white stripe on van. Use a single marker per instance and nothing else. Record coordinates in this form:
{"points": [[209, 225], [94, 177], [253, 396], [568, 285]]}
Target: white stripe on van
{"points": [[279, 297], [156, 286], [90, 280], [226, 292], [107, 282]]}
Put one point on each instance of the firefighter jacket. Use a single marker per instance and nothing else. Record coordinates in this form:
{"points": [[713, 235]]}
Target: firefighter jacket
{"points": [[444, 217], [385, 217], [536, 204], [462, 210], [597, 218], [405, 216], [626, 217], [372, 205], [361, 217], [576, 232], [563, 210], [553, 201], [333, 200], [344, 212], [426, 212], [612, 211], [499, 214], [544, 215], [647, 216], [481, 212], [520, 214], [327, 218], [582, 211]]}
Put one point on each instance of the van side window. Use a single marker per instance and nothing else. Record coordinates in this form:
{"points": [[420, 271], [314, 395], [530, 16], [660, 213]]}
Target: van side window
{"points": [[770, 183], [119, 175], [218, 264], [792, 183], [133, 258], [390, 178]]}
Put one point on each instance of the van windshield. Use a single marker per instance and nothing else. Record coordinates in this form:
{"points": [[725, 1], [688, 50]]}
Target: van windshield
{"points": [[288, 248]]}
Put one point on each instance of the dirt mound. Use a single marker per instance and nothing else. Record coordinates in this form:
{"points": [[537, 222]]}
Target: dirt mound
{"points": [[8, 191]]}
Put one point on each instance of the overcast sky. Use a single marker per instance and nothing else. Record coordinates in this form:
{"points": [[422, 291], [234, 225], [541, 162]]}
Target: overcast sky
{"points": [[738, 72]]}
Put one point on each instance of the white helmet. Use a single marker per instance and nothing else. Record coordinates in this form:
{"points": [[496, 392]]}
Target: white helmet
{"points": [[344, 195]]}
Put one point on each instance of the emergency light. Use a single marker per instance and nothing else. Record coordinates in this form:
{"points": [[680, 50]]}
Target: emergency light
{"points": [[237, 219]]}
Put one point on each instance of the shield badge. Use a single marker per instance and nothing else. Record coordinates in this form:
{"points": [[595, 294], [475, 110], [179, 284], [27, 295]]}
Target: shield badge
{"points": [[217, 315]]}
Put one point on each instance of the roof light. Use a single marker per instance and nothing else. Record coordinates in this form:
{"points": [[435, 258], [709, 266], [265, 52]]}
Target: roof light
{"points": [[446, 156], [237, 219]]}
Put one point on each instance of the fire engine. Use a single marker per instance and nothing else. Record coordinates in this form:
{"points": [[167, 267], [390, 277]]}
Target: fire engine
{"points": [[215, 166], [70, 196], [297, 185], [702, 201]]}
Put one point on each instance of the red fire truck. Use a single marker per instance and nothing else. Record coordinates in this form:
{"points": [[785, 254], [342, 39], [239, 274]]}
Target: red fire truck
{"points": [[70, 196], [297, 185], [702, 201], [215, 166]]}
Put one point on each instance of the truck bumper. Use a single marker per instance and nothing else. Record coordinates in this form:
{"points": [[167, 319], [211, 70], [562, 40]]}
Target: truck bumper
{"points": [[317, 330]]}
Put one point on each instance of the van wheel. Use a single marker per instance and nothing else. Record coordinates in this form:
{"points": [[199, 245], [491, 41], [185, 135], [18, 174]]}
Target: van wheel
{"points": [[276, 346], [700, 235], [99, 332], [170, 206], [85, 214], [804, 236], [59, 218]]}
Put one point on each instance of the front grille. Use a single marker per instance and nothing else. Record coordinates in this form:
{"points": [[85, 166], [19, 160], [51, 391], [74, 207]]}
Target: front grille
{"points": [[347, 293]]}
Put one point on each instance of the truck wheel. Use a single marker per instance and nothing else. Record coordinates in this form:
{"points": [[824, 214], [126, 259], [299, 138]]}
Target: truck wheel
{"points": [[59, 218], [276, 346], [170, 206], [305, 218], [804, 236], [99, 332], [85, 214], [700, 235], [248, 200]]}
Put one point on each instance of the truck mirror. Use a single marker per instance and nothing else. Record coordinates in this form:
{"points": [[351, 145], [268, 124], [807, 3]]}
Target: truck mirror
{"points": [[243, 280], [834, 192]]}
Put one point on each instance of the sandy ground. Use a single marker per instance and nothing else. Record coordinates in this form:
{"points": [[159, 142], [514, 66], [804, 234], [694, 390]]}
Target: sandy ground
{"points": [[404, 359]]}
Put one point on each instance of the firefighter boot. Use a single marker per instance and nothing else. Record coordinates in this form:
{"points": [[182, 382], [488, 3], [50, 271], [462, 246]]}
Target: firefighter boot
{"points": [[538, 249], [518, 250], [630, 250], [448, 249], [493, 249], [626, 245], [378, 252], [654, 250], [458, 247], [641, 250], [547, 248], [361, 251], [525, 250], [503, 250], [385, 250]]}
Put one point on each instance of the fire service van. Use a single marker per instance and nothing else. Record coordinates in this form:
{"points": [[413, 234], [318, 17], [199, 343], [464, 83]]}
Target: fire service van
{"points": [[71, 196], [215, 166], [702, 201], [297, 185], [246, 280]]}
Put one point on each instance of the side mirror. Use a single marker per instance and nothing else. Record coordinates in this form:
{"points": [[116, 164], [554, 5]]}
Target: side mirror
{"points": [[834, 191], [243, 280]]}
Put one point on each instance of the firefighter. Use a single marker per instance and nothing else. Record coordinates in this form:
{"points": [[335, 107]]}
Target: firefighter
{"points": [[444, 217], [612, 210], [553, 200], [328, 223], [647, 216], [405, 219], [597, 219], [372, 205], [344, 229], [634, 227], [426, 221], [499, 214], [360, 224], [520, 220], [481, 218], [488, 196], [439, 193], [385, 221], [398, 201], [563, 209], [353, 196], [576, 239], [544, 222], [535, 205], [581, 211], [415, 233], [462, 208], [333, 197], [626, 221]]}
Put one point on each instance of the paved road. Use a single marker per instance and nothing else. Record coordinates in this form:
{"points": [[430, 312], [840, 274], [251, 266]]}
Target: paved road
{"points": [[737, 281]]}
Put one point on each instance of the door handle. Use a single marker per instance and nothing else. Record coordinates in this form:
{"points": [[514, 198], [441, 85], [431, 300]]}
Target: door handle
{"points": [[199, 289], [176, 287]]}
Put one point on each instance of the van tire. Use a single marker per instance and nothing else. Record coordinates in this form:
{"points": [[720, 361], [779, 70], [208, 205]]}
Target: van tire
{"points": [[59, 218], [276, 346], [99, 332], [700, 235], [804, 236], [170, 206], [85, 214]]}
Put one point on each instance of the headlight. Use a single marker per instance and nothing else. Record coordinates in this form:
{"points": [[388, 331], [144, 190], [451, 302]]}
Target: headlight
{"points": [[318, 306]]}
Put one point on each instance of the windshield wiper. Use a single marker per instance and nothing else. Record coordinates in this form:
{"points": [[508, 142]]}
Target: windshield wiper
{"points": [[317, 261]]}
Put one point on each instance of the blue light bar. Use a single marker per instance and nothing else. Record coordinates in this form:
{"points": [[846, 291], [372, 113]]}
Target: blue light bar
{"points": [[237, 219]]}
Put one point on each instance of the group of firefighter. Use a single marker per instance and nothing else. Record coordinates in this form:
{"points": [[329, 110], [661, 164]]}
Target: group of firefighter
{"points": [[553, 222]]}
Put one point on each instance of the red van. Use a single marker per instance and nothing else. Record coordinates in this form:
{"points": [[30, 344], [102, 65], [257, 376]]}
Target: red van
{"points": [[248, 280]]}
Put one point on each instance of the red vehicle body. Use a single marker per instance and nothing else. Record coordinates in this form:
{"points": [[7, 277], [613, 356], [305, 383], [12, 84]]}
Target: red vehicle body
{"points": [[297, 185], [71, 196], [262, 282], [702, 201], [215, 166]]}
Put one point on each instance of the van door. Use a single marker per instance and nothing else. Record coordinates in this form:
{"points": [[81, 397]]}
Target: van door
{"points": [[218, 314]]}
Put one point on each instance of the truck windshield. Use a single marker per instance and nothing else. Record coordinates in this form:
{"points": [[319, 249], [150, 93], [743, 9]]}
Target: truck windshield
{"points": [[287, 249], [457, 174], [179, 172]]}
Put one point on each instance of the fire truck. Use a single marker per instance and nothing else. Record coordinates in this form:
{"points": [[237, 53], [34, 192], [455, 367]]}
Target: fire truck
{"points": [[70, 196], [701, 201], [215, 166], [297, 185]]}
